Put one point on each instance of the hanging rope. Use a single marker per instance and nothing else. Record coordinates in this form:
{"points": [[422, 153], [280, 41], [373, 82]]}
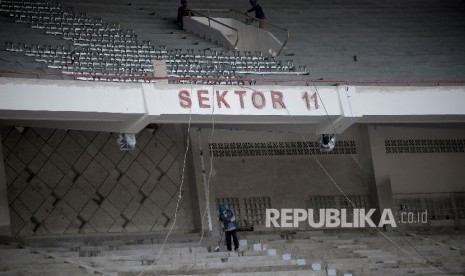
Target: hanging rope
{"points": [[421, 260], [179, 196]]}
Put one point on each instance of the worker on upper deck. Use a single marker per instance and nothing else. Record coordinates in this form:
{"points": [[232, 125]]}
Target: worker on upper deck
{"points": [[259, 14]]}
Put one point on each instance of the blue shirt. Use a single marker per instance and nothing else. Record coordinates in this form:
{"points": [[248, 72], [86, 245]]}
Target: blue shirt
{"points": [[228, 220]]}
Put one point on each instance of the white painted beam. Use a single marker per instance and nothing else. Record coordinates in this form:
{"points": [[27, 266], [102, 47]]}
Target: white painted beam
{"points": [[128, 108]]}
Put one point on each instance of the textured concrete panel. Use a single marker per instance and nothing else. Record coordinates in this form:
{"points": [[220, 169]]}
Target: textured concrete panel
{"points": [[40, 187], [166, 141], [131, 209], [86, 186], [146, 163], [65, 184], [50, 174], [167, 161], [80, 182], [155, 151], [152, 208], [15, 189], [88, 210], [168, 185], [101, 221], [76, 197], [125, 163], [120, 197], [56, 223], [10, 174], [25, 150], [137, 173], [132, 188], [15, 163], [31, 198], [44, 210], [160, 197], [37, 163], [22, 212], [150, 184], [95, 173], [143, 220], [70, 150]]}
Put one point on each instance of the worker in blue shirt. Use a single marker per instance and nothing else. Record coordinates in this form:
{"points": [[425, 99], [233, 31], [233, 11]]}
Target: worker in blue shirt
{"points": [[229, 225]]}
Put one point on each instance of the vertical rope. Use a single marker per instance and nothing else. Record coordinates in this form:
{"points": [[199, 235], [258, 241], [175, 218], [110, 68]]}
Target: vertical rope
{"points": [[179, 196]]}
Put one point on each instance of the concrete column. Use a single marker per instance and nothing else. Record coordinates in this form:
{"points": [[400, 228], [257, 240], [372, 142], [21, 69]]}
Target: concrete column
{"points": [[365, 165], [5, 229], [189, 174], [199, 178], [209, 223], [382, 184]]}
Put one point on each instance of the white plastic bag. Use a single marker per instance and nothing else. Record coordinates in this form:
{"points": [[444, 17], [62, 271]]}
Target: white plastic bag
{"points": [[126, 141]]}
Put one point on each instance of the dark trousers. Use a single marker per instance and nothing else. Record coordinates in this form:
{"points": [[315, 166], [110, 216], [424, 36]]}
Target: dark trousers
{"points": [[232, 234]]}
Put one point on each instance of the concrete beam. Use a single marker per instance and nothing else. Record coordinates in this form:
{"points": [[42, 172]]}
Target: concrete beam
{"points": [[124, 107]]}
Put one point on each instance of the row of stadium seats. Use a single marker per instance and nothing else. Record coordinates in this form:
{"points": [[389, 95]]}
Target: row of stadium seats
{"points": [[105, 60]]}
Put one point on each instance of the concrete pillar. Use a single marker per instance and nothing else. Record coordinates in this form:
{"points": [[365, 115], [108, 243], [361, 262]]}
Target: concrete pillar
{"points": [[5, 229], [208, 216], [381, 188], [189, 174], [199, 177], [365, 165]]}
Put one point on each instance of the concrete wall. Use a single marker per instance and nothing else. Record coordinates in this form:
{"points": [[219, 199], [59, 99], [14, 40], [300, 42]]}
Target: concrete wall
{"points": [[440, 172], [66, 182], [63, 182], [289, 180]]}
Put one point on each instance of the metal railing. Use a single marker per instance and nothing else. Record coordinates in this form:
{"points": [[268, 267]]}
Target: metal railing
{"points": [[175, 79], [247, 21], [252, 19], [196, 12]]}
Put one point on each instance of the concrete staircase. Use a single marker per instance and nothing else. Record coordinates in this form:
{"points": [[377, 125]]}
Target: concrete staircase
{"points": [[288, 253]]}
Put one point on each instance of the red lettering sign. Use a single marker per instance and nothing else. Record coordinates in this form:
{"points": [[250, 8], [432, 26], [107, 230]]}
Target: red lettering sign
{"points": [[200, 94], [185, 99], [258, 103], [241, 97], [258, 99], [220, 98], [307, 100], [277, 98]]}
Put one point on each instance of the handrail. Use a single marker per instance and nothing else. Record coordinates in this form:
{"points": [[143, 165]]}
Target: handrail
{"points": [[214, 20], [267, 23], [271, 24], [214, 10], [252, 18], [306, 81]]}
